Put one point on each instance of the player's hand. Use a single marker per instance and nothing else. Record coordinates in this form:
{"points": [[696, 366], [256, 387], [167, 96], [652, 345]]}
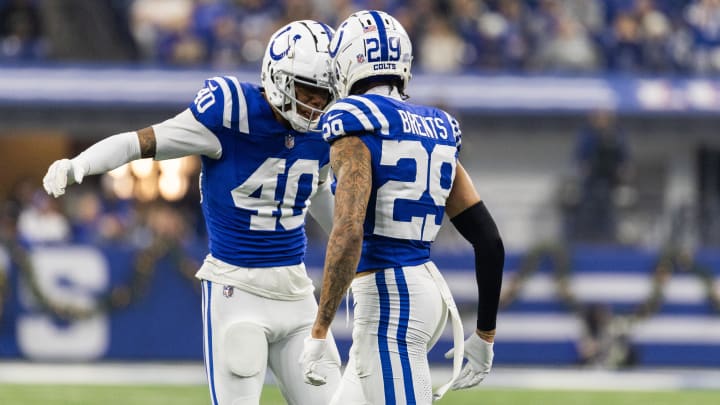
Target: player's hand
{"points": [[480, 357], [61, 174], [316, 354]]}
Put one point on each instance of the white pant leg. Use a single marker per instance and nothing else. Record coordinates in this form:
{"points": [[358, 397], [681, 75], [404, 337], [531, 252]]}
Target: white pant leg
{"points": [[350, 390], [284, 356], [282, 326], [226, 387], [397, 315]]}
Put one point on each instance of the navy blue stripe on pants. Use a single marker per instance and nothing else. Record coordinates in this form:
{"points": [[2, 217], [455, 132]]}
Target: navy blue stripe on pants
{"points": [[386, 364], [209, 354], [402, 335]]}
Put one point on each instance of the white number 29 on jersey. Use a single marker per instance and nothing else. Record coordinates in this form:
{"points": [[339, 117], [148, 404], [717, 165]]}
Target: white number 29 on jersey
{"points": [[428, 175], [265, 178]]}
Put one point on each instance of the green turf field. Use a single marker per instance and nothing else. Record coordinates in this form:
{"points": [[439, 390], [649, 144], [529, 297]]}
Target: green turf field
{"points": [[11, 394]]}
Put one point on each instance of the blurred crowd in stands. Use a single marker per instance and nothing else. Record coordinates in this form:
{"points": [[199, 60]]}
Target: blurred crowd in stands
{"points": [[450, 36], [92, 214]]}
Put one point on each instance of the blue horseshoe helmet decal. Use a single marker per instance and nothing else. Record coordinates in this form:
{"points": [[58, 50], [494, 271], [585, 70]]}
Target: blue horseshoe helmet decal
{"points": [[278, 56]]}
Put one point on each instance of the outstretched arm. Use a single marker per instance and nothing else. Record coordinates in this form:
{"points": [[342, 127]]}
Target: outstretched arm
{"points": [[101, 157], [179, 136], [350, 160]]}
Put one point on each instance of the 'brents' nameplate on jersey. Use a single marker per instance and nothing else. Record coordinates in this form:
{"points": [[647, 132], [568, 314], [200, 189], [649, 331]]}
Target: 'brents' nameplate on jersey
{"points": [[254, 197], [433, 127], [414, 155]]}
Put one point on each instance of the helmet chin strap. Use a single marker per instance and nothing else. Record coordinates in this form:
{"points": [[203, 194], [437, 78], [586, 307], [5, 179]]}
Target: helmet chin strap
{"points": [[292, 118]]}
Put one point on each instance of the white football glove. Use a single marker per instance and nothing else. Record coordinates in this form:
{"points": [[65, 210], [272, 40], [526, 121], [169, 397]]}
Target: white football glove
{"points": [[315, 357], [480, 357], [61, 174]]}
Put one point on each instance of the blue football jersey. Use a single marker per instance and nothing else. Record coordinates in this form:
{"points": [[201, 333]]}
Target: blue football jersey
{"points": [[254, 198], [414, 152]]}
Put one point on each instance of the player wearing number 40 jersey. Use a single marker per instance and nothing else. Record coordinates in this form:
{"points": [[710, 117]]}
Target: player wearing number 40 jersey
{"points": [[397, 175], [262, 167]]}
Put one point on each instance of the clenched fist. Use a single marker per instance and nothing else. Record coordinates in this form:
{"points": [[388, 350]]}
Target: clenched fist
{"points": [[61, 174]]}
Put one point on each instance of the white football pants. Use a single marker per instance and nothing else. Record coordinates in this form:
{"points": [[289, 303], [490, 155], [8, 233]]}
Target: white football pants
{"points": [[399, 314], [245, 333]]}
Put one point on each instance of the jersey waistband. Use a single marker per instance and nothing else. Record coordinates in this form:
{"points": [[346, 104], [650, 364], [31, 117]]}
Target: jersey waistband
{"points": [[285, 283]]}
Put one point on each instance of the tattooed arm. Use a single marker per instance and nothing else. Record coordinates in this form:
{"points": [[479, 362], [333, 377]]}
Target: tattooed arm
{"points": [[350, 160], [148, 143]]}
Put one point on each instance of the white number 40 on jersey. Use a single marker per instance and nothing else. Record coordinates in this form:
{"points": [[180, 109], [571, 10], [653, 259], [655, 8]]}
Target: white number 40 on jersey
{"points": [[265, 178]]}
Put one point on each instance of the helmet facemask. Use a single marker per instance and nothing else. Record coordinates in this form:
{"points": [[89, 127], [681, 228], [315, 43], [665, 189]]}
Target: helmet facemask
{"points": [[302, 116]]}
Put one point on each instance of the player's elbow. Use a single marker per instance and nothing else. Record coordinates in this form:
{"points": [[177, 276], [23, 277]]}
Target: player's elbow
{"points": [[348, 235], [477, 226], [355, 237], [493, 250], [352, 240], [489, 254]]}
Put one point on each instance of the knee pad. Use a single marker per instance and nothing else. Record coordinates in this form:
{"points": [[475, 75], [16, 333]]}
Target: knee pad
{"points": [[245, 349]]}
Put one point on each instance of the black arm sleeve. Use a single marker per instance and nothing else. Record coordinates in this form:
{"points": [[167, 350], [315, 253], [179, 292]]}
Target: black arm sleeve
{"points": [[477, 226]]}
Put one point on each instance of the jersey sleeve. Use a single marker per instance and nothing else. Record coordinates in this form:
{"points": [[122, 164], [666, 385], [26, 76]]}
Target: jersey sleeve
{"points": [[354, 115], [457, 133], [221, 104], [183, 135]]}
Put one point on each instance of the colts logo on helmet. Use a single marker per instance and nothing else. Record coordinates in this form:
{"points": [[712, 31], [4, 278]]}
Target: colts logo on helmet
{"points": [[278, 56]]}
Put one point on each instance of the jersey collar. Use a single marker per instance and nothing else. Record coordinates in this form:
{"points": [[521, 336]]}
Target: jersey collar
{"points": [[385, 90]]}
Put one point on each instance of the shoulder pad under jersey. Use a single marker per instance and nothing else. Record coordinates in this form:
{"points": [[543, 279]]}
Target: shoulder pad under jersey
{"points": [[221, 104], [354, 115]]}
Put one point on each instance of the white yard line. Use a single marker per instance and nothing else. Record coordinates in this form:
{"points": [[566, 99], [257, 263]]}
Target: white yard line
{"points": [[500, 377]]}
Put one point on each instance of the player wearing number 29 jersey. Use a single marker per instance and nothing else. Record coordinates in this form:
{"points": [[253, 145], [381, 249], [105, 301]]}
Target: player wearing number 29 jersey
{"points": [[398, 174], [412, 157], [264, 166], [414, 151]]}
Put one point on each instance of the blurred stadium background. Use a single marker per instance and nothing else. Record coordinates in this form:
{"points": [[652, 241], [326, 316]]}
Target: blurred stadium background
{"points": [[590, 129]]}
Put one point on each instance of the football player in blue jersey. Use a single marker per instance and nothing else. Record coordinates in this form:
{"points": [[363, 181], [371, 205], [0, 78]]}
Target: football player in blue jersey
{"points": [[264, 165], [398, 174]]}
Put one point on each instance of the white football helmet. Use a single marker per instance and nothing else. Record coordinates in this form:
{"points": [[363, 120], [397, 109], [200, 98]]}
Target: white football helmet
{"points": [[367, 44], [297, 53]]}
